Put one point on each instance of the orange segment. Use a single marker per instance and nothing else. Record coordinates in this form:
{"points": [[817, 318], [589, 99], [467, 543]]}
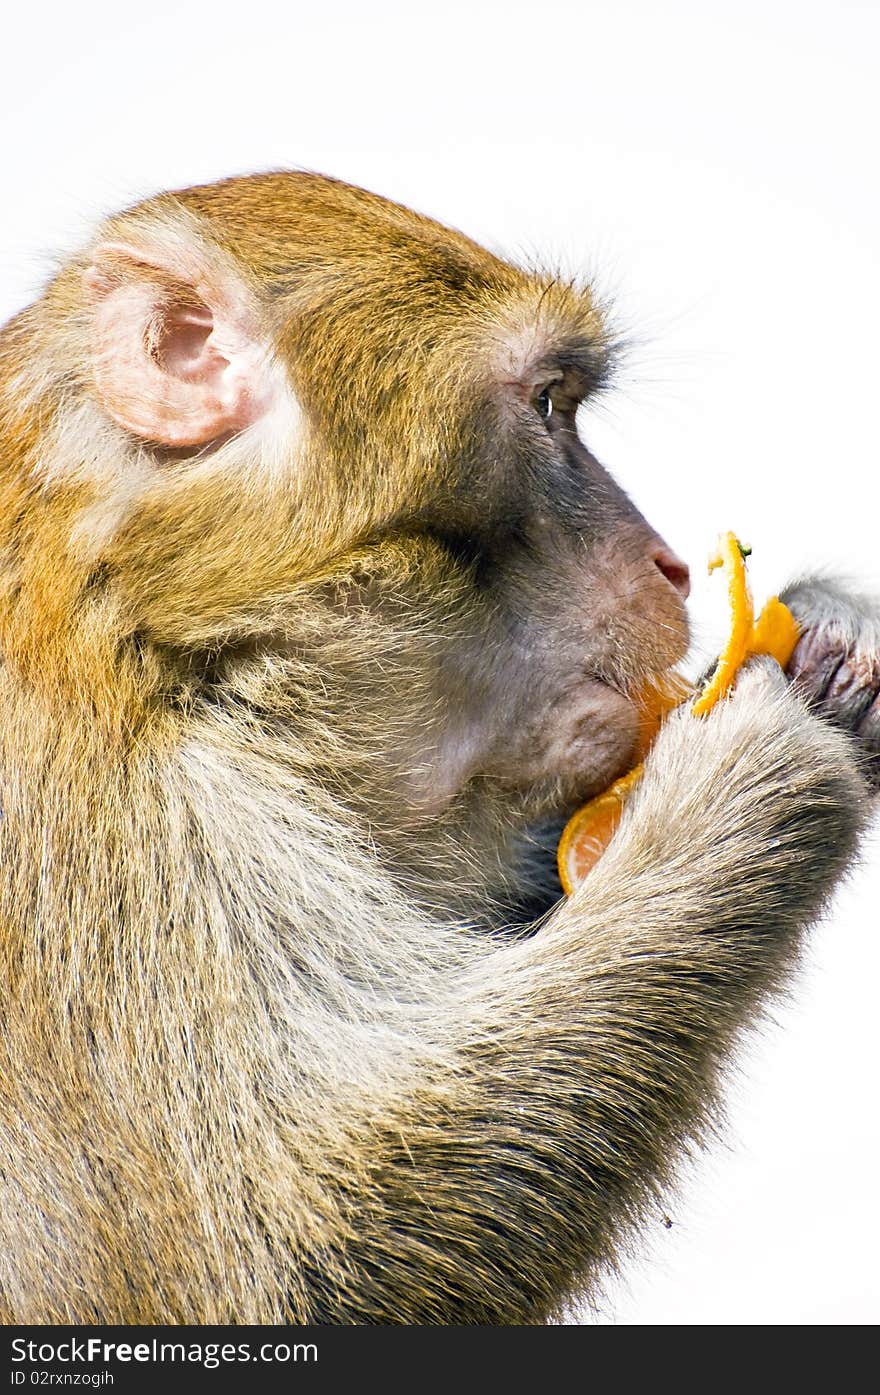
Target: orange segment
{"points": [[775, 633], [589, 831]]}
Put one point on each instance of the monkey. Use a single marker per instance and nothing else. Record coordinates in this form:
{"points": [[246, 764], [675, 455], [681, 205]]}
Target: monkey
{"points": [[317, 619]]}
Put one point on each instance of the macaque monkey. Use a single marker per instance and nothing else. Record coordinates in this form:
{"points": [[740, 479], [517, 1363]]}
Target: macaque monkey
{"points": [[317, 620]]}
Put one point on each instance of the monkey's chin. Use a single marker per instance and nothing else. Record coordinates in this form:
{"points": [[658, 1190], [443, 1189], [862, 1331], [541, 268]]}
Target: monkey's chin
{"points": [[589, 740], [569, 750], [577, 786]]}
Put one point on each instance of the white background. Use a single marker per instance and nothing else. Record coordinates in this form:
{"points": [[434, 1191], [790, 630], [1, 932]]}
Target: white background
{"points": [[716, 167]]}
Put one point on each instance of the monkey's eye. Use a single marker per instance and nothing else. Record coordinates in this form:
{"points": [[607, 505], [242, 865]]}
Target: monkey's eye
{"points": [[544, 404]]}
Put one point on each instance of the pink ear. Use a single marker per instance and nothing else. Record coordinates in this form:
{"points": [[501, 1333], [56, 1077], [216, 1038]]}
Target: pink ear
{"points": [[177, 358]]}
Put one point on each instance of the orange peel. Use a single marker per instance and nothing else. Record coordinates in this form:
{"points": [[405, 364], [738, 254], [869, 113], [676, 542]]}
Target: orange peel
{"points": [[775, 634], [731, 555]]}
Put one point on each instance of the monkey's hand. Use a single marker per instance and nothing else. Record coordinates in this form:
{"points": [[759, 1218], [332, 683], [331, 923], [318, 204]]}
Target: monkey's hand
{"points": [[836, 665], [759, 803]]}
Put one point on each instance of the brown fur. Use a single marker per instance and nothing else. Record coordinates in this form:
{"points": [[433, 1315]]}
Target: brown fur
{"points": [[267, 1054]]}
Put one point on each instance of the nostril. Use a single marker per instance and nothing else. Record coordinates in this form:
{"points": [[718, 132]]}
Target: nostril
{"points": [[674, 570]]}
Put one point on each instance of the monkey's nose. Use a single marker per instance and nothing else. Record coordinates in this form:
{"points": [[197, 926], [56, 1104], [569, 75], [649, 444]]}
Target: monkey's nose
{"points": [[675, 571]]}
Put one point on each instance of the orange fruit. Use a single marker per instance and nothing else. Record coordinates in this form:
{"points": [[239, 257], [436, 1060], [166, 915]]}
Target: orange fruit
{"points": [[775, 633], [589, 831]]}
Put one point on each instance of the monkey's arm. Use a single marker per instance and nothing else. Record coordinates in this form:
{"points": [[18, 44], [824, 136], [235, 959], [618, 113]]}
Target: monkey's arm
{"points": [[588, 1053]]}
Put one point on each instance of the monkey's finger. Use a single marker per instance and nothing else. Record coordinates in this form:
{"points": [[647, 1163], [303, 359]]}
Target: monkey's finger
{"points": [[817, 657], [868, 732], [853, 689], [839, 679]]}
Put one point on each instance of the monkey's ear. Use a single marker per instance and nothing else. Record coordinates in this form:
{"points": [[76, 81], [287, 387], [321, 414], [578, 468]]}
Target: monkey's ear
{"points": [[178, 358]]}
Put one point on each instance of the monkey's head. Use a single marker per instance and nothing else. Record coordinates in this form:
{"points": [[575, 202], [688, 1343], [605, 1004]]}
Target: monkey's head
{"points": [[277, 428]]}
